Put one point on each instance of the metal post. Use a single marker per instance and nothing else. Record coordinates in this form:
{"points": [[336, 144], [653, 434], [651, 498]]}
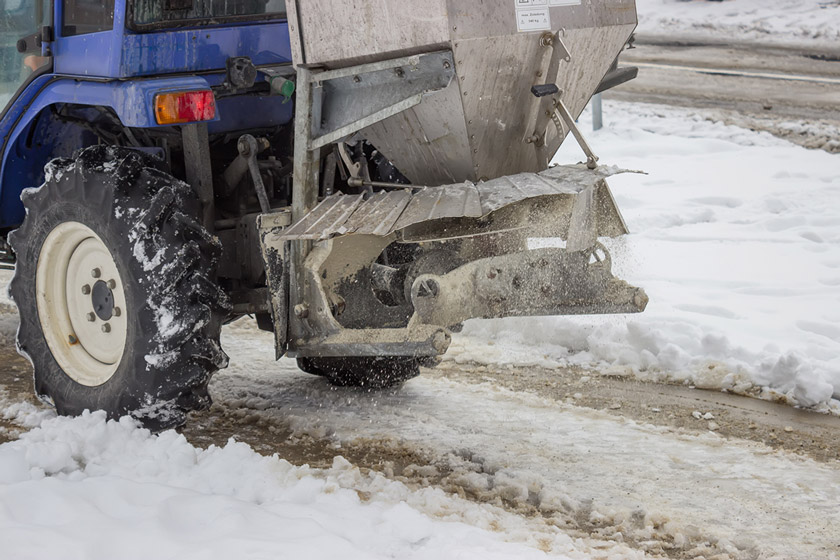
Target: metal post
{"points": [[306, 164], [305, 184], [597, 112], [199, 168]]}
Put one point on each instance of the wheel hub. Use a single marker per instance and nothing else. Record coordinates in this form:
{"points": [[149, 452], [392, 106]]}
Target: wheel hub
{"points": [[102, 299], [81, 303]]}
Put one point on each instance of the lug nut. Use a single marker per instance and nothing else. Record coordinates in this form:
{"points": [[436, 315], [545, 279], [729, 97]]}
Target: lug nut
{"points": [[117, 312], [72, 339], [96, 273], [106, 328], [86, 289], [91, 317], [112, 284]]}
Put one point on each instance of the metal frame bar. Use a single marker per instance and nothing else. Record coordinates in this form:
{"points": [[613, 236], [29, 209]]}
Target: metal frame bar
{"points": [[199, 168], [356, 126], [563, 112]]}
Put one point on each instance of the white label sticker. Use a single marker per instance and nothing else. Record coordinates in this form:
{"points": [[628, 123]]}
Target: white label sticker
{"points": [[564, 2], [533, 19]]}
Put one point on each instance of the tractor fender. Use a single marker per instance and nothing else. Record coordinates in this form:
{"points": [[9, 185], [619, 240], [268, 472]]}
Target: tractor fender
{"points": [[132, 101]]}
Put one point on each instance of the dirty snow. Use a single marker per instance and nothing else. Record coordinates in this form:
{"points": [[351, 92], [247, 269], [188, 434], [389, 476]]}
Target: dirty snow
{"points": [[694, 496], [736, 239], [809, 24], [87, 488]]}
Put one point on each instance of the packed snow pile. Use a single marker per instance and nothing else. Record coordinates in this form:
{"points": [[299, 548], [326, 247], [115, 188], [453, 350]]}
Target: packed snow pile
{"points": [[86, 488], [736, 239], [811, 24]]}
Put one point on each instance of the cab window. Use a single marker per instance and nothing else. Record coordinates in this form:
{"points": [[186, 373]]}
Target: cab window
{"points": [[87, 16], [174, 13], [20, 19]]}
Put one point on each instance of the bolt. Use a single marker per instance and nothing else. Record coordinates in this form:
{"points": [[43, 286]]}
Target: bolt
{"points": [[117, 312], [446, 64], [112, 284], [547, 40], [399, 72], [356, 79], [73, 339], [96, 273], [86, 289], [441, 341], [301, 311], [106, 328], [91, 316]]}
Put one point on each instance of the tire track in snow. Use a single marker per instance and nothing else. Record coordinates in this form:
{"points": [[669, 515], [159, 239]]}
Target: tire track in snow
{"points": [[667, 492]]}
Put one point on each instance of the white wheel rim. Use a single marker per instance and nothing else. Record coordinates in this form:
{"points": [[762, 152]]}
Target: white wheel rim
{"points": [[81, 304]]}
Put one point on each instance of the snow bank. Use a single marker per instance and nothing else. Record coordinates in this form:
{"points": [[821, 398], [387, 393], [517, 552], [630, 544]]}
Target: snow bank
{"points": [[87, 488], [809, 24], [735, 238]]}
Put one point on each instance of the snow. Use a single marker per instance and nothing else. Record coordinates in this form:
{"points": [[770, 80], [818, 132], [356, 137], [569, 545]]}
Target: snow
{"points": [[576, 467], [809, 24], [86, 488], [735, 239]]}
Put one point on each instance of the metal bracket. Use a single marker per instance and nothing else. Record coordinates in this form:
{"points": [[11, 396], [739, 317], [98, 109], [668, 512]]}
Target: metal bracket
{"points": [[346, 101], [558, 113], [354, 167], [555, 51], [249, 147], [561, 113], [330, 106]]}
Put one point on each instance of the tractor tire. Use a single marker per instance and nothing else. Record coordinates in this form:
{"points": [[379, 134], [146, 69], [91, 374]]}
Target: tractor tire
{"points": [[115, 287], [379, 372]]}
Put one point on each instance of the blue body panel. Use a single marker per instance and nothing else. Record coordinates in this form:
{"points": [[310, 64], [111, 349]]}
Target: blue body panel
{"points": [[124, 70], [122, 53]]}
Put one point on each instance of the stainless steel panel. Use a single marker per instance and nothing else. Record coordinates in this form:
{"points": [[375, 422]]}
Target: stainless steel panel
{"points": [[498, 102], [428, 143], [336, 33], [492, 18], [477, 127]]}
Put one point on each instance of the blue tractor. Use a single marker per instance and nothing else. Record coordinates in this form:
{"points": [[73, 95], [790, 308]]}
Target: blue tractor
{"points": [[359, 176]]}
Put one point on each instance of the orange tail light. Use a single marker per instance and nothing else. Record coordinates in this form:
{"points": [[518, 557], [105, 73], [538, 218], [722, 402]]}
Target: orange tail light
{"points": [[185, 107]]}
